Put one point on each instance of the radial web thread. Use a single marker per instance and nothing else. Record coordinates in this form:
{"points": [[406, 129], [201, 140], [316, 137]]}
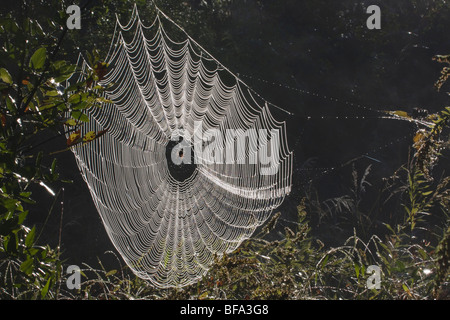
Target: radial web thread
{"points": [[169, 231]]}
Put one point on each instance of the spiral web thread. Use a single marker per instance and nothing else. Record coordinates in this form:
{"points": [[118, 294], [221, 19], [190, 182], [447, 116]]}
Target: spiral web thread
{"points": [[170, 231]]}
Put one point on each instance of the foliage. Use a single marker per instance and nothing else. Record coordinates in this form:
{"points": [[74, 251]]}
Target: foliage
{"points": [[36, 107], [299, 266]]}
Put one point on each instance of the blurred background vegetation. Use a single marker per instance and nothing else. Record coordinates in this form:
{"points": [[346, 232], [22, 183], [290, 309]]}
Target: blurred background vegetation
{"points": [[367, 190]]}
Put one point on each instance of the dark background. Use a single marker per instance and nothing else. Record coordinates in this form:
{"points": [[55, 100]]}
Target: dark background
{"points": [[323, 47]]}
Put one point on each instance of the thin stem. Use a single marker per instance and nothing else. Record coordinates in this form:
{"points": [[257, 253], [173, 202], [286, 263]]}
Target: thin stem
{"points": [[48, 215], [61, 221], [47, 66]]}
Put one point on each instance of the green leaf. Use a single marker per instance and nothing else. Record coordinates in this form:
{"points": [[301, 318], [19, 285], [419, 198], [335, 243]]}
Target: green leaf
{"points": [[83, 274], [29, 240], [22, 216], [110, 273], [65, 72], [71, 122], [10, 104], [63, 77], [75, 98], [88, 137], [38, 58], [10, 204], [25, 194], [5, 76], [357, 268], [400, 265], [53, 167], [45, 289], [33, 251], [52, 93], [389, 228], [39, 158], [81, 105], [27, 266], [203, 296], [401, 114], [325, 260], [36, 28], [405, 288], [46, 106], [10, 25], [423, 254], [78, 115]]}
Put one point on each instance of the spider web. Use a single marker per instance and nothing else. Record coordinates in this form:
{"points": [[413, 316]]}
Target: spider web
{"points": [[169, 230]]}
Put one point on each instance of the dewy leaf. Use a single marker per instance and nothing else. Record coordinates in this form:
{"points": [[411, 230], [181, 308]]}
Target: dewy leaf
{"points": [[401, 114], [21, 217], [406, 289], [80, 116], [27, 266], [5, 76], [52, 93], [46, 287], [38, 58], [71, 122], [357, 268], [65, 73], [10, 104], [75, 98], [88, 137], [53, 167], [418, 137], [29, 240], [74, 138], [111, 273]]}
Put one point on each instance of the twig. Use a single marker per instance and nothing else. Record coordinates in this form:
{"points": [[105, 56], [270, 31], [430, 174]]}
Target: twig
{"points": [[61, 220], [47, 66], [48, 215]]}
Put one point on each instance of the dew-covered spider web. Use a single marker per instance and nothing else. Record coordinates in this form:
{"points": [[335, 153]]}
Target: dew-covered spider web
{"points": [[168, 228]]}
